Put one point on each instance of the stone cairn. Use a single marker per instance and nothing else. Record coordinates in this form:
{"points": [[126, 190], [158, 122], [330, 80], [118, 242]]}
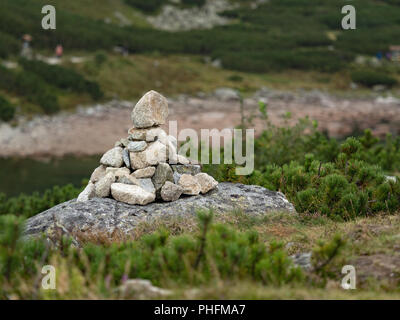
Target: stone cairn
{"points": [[145, 166]]}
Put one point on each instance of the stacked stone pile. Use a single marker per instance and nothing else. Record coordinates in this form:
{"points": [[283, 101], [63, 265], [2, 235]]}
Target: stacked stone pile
{"points": [[145, 166]]}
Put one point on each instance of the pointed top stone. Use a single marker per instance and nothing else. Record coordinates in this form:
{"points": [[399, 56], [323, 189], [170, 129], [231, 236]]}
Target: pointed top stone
{"points": [[151, 110]]}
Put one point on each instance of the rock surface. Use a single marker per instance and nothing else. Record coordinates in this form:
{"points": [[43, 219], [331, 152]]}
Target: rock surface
{"points": [[108, 214]]}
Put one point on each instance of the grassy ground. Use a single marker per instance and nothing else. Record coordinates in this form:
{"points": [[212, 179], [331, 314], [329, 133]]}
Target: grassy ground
{"points": [[129, 77], [101, 10], [372, 247]]}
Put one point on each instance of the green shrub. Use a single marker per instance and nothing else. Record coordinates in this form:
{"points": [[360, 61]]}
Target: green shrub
{"points": [[30, 86], [191, 3], [321, 175], [148, 6], [61, 77], [7, 110], [29, 205], [371, 78]]}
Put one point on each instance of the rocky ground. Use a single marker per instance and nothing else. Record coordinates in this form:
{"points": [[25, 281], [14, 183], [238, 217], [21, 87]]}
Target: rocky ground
{"points": [[91, 130], [107, 216]]}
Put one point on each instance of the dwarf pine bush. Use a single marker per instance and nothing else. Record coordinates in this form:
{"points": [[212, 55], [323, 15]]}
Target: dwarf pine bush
{"points": [[29, 205], [216, 252]]}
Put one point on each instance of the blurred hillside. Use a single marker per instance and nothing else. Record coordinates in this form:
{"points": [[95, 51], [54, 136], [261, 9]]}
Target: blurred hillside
{"points": [[113, 48]]}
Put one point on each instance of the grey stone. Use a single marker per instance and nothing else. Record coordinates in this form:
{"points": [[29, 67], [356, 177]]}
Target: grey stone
{"points": [[131, 194], [146, 184], [226, 94], [302, 260], [176, 176], [104, 215], [151, 110], [136, 146], [192, 169], [127, 180], [113, 158], [126, 158], [171, 191], [163, 173]]}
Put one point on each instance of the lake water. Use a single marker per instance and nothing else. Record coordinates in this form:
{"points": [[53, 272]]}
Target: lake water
{"points": [[27, 175]]}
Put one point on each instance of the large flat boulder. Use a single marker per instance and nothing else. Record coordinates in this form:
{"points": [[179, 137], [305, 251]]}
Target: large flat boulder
{"points": [[106, 215]]}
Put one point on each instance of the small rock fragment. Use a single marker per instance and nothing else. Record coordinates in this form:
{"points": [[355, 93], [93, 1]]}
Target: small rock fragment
{"points": [[177, 176], [126, 158]]}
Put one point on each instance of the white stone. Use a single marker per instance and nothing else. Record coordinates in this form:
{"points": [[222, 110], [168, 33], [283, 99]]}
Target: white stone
{"points": [[151, 110], [119, 172], [206, 182], [113, 158], [148, 135], [88, 193], [154, 154], [98, 173], [144, 173], [131, 194], [104, 184], [189, 184]]}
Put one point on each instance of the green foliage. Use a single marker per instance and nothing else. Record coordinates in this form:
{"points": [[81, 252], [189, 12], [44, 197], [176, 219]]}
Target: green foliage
{"points": [[191, 3], [63, 78], [321, 175], [323, 255], [225, 254], [31, 87], [370, 78], [30, 205], [148, 6], [262, 40], [7, 110]]}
